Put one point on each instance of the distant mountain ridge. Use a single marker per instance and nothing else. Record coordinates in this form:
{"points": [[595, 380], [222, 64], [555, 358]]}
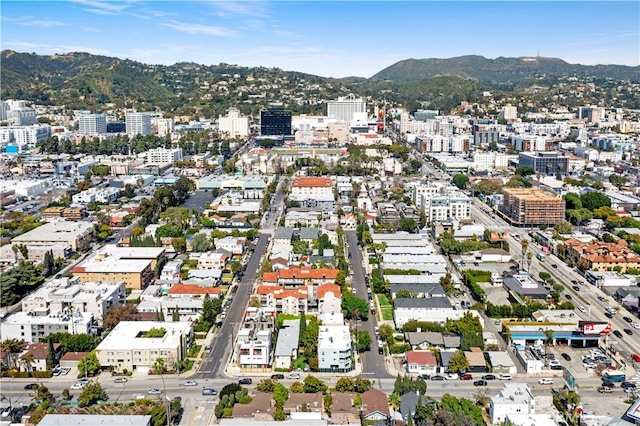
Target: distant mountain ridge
{"points": [[500, 70]]}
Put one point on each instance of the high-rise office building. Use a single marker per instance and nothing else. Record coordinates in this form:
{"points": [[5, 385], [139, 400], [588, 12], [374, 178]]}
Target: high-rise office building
{"points": [[138, 123], [344, 108], [92, 124], [275, 122]]}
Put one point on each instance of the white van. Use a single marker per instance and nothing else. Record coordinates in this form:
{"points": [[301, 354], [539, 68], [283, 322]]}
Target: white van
{"points": [[546, 381], [504, 376]]}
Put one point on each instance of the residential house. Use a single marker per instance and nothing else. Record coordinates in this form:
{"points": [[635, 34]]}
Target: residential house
{"points": [[309, 234], [409, 402], [282, 235], [477, 363], [287, 345], [304, 403], [233, 245], [375, 406], [71, 359], [297, 218], [302, 185], [628, 297], [494, 255], [34, 356], [435, 309], [421, 362], [501, 363], [253, 348], [418, 290], [294, 277], [185, 290], [259, 409], [343, 411], [429, 339]]}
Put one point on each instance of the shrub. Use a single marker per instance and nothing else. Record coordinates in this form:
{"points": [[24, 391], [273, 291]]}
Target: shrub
{"points": [[41, 374]]}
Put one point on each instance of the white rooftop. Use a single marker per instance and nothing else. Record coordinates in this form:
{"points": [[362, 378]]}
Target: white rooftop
{"points": [[94, 420], [112, 258], [514, 393], [334, 337], [55, 232], [127, 335]]}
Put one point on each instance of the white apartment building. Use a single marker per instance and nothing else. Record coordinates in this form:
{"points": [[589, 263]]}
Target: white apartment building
{"points": [[128, 347], [514, 398], [234, 245], [162, 126], [451, 205], [25, 136], [492, 160], [253, 348], [138, 123], [160, 156], [345, 108], [21, 116], [443, 143], [530, 143], [92, 124], [72, 295], [509, 112], [427, 190], [234, 124], [34, 327], [213, 260], [334, 349], [329, 299], [99, 195]]}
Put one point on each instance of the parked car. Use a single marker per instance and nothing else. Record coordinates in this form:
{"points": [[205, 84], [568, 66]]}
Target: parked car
{"points": [[628, 385], [424, 377], [451, 376], [504, 376], [277, 376], [480, 383], [566, 356], [294, 376], [56, 371], [546, 381], [437, 378], [489, 377], [245, 381], [121, 380], [209, 391], [466, 376], [556, 367]]}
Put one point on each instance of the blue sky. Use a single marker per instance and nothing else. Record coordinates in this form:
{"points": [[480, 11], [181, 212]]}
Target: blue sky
{"points": [[326, 38]]}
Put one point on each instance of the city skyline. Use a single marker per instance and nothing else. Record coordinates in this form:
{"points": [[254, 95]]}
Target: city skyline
{"points": [[325, 38]]}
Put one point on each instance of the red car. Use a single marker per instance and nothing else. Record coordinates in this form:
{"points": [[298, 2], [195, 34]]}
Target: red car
{"points": [[466, 376], [635, 357]]}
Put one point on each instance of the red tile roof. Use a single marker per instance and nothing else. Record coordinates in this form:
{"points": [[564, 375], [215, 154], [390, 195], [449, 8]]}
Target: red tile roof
{"points": [[308, 273], [421, 358], [280, 292], [329, 288], [74, 356], [315, 182], [193, 289]]}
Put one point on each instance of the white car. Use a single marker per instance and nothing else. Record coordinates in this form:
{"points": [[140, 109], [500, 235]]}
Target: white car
{"points": [[78, 386], [546, 381], [294, 376], [635, 325], [191, 383], [582, 309], [154, 392], [452, 376], [504, 376]]}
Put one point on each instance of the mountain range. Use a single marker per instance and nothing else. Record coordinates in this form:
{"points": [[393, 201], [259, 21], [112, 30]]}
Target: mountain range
{"points": [[85, 80]]}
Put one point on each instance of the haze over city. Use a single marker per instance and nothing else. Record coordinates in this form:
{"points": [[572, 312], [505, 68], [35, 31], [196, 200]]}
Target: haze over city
{"points": [[331, 39]]}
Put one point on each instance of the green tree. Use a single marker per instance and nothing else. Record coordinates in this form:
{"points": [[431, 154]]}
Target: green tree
{"points": [[279, 415], [297, 387], [266, 385], [525, 171], [563, 227], [51, 355], [179, 244], [312, 385], [458, 362], [363, 340], [354, 307], [594, 200], [175, 314], [280, 394], [92, 393], [344, 384], [201, 243], [89, 365], [406, 294], [460, 180], [408, 224]]}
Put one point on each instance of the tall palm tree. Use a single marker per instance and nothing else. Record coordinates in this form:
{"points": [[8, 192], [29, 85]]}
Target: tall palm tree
{"points": [[548, 338], [27, 362], [524, 244], [529, 259], [12, 347], [394, 403]]}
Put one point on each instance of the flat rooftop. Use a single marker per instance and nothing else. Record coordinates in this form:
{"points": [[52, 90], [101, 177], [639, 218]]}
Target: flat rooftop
{"points": [[127, 335], [58, 232]]}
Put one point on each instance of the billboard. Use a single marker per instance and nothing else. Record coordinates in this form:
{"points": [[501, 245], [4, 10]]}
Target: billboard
{"points": [[594, 327], [568, 379]]}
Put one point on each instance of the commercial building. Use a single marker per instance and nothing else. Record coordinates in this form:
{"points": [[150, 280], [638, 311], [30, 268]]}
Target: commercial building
{"points": [[275, 122], [514, 398], [96, 194], [65, 213], [253, 348], [72, 295], [334, 349], [546, 163], [161, 156], [127, 346], [532, 207], [92, 124], [138, 123], [602, 256], [133, 265], [23, 137], [233, 124], [344, 108], [33, 327], [76, 235], [95, 420]]}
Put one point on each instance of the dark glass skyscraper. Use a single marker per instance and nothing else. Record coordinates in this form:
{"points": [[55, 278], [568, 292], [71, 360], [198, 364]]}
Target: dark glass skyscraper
{"points": [[275, 121]]}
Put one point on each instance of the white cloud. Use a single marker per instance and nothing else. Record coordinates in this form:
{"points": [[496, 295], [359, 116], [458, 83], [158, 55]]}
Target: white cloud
{"points": [[241, 8], [51, 48], [103, 8], [30, 21], [199, 29]]}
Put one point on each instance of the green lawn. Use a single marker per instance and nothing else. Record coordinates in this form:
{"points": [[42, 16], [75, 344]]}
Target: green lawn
{"points": [[383, 301], [387, 313]]}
